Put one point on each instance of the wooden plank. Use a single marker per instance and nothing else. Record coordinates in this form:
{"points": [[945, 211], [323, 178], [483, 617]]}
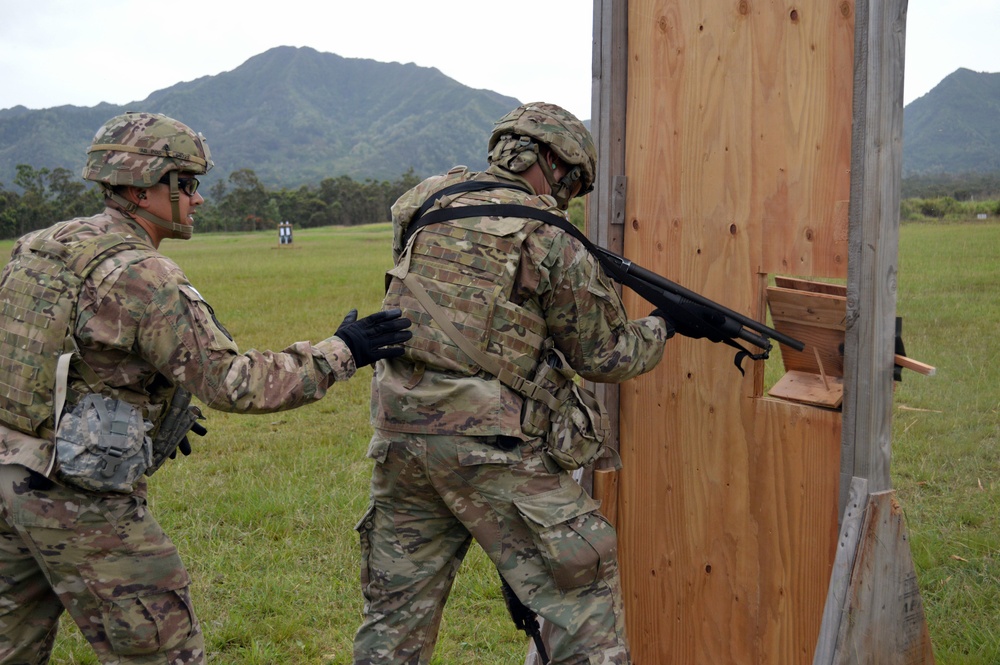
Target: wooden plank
{"points": [[915, 365], [822, 310], [876, 168], [800, 284], [816, 318], [847, 548], [810, 388], [606, 204], [883, 617], [605, 214]]}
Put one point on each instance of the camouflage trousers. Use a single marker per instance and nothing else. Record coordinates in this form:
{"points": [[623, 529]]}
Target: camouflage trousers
{"points": [[431, 495], [101, 557]]}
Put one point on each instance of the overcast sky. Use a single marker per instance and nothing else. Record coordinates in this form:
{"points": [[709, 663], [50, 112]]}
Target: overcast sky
{"points": [[82, 52]]}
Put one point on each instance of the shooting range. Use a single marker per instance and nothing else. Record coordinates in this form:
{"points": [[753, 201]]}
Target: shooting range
{"points": [[751, 151]]}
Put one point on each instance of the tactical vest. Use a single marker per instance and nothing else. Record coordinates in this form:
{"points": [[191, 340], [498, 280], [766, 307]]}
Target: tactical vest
{"points": [[39, 291], [469, 267]]}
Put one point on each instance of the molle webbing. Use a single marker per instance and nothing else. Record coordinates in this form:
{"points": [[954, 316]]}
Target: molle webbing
{"points": [[470, 274], [40, 288]]}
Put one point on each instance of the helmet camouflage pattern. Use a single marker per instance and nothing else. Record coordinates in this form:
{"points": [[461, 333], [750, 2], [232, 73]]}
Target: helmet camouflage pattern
{"points": [[138, 149], [551, 125]]}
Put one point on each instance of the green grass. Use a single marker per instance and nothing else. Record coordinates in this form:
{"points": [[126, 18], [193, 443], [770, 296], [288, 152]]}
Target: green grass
{"points": [[263, 511], [946, 442]]}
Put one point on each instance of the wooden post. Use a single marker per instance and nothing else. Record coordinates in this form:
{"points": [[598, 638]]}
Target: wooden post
{"points": [[874, 612], [873, 243], [606, 204]]}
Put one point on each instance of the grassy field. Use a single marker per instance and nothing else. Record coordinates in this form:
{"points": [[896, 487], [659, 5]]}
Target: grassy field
{"points": [[263, 511], [946, 432]]}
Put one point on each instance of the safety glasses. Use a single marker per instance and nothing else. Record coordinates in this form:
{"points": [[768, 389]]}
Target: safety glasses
{"points": [[188, 185]]}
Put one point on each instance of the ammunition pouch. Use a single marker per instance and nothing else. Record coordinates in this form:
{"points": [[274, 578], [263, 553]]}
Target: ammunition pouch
{"points": [[576, 431], [181, 415], [101, 445]]}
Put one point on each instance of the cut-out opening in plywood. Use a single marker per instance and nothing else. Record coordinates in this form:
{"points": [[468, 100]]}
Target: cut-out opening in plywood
{"points": [[815, 313]]}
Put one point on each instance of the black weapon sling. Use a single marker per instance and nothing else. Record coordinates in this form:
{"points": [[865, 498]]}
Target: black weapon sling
{"points": [[425, 217]]}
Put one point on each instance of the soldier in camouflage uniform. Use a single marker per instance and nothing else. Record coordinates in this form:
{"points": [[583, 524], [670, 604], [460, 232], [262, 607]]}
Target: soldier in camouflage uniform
{"points": [[454, 459], [136, 332]]}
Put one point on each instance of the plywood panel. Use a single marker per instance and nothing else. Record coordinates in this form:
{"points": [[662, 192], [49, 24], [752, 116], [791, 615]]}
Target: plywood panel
{"points": [[736, 166], [728, 561], [794, 505]]}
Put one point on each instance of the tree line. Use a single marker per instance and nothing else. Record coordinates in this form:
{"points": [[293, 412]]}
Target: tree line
{"points": [[242, 202], [238, 203]]}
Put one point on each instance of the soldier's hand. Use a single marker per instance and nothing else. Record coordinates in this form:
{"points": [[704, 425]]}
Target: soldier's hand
{"points": [[374, 337]]}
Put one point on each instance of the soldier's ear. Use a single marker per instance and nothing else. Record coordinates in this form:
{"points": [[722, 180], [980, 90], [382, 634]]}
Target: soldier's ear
{"points": [[138, 196]]}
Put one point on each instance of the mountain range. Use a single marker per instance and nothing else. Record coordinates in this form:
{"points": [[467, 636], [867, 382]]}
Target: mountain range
{"points": [[294, 116], [297, 116], [954, 128]]}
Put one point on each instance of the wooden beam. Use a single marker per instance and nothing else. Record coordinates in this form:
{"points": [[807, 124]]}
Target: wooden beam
{"points": [[847, 548], [606, 204], [873, 243]]}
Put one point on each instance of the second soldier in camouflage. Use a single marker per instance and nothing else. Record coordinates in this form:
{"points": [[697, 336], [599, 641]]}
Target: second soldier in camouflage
{"points": [[455, 460]]}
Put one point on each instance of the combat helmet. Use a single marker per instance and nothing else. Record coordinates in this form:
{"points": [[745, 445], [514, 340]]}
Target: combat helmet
{"points": [[514, 146], [139, 149]]}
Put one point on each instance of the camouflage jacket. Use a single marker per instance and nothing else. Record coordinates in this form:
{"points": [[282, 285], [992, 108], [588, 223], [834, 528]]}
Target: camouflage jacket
{"points": [[142, 328], [555, 276]]}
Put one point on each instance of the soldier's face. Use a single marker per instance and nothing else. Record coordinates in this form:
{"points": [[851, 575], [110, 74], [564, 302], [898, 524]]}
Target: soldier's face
{"points": [[159, 202]]}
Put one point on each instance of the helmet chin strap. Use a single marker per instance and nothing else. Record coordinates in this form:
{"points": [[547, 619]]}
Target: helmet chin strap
{"points": [[561, 190], [516, 154], [175, 228]]}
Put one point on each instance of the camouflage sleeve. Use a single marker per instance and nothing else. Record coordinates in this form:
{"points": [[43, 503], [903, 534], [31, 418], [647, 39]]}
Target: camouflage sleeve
{"points": [[179, 334], [584, 313]]}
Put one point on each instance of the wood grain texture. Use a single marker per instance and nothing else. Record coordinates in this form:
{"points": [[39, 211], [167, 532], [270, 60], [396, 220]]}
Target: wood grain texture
{"points": [[883, 619], [737, 158]]}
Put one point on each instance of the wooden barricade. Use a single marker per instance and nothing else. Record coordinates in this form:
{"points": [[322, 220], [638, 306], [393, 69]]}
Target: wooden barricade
{"points": [[741, 141]]}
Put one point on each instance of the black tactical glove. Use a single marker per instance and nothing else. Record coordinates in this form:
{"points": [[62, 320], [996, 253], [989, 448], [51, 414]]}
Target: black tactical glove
{"points": [[185, 444], [374, 337]]}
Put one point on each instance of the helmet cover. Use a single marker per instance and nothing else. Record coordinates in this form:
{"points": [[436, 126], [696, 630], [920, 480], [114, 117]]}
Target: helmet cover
{"points": [[550, 125], [138, 149]]}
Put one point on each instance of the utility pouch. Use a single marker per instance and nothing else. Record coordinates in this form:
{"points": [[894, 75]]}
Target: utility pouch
{"points": [[575, 432], [101, 445], [180, 418]]}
